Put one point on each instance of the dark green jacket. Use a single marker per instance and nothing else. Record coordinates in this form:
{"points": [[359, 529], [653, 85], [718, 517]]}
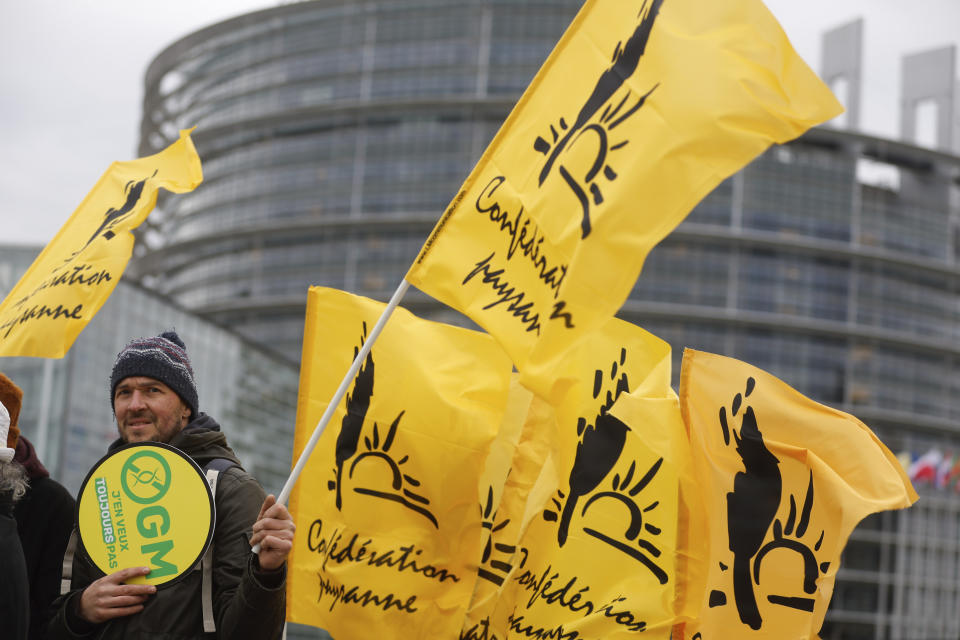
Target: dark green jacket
{"points": [[247, 602]]}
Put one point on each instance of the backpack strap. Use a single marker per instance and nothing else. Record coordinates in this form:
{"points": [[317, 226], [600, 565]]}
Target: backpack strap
{"points": [[212, 470], [66, 570]]}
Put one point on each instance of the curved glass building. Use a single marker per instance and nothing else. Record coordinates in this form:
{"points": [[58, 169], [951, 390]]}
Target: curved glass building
{"points": [[334, 133]]}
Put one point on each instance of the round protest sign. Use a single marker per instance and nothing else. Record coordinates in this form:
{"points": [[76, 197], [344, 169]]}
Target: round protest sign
{"points": [[146, 505]]}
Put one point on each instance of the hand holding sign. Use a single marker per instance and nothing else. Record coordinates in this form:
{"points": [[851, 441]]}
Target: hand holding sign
{"points": [[145, 504], [273, 534], [109, 597]]}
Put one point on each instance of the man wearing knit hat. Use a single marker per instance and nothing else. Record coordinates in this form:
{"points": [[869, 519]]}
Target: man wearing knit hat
{"points": [[154, 397], [14, 589]]}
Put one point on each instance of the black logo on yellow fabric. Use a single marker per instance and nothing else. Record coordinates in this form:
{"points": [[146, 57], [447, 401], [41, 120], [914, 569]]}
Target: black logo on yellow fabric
{"points": [[494, 563], [626, 59], [752, 509], [114, 216], [377, 448], [76, 275], [598, 453]]}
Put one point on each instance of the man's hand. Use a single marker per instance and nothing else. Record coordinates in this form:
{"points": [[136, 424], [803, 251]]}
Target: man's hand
{"points": [[109, 597], [273, 531]]}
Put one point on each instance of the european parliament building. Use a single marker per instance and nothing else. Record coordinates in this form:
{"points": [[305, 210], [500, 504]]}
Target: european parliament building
{"points": [[333, 134]]}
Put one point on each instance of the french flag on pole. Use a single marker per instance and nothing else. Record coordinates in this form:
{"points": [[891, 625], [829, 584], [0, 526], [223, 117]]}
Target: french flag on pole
{"points": [[924, 468], [945, 470]]}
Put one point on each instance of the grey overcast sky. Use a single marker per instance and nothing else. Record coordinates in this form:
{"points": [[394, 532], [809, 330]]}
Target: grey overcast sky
{"points": [[71, 74]]}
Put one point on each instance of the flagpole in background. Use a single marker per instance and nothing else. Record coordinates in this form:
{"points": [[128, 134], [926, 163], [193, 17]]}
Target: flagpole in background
{"points": [[338, 396], [43, 421]]}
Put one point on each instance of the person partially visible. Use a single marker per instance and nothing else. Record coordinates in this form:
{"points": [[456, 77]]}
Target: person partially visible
{"points": [[14, 588], [44, 519]]}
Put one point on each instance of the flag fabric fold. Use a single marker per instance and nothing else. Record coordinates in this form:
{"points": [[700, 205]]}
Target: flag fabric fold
{"points": [[640, 111], [511, 504], [388, 506], [657, 422], [598, 556], [785, 482], [77, 271]]}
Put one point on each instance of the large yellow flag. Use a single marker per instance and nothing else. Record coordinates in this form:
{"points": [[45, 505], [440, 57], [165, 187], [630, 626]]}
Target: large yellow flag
{"points": [[600, 559], [389, 525], [785, 480], [640, 111], [75, 274]]}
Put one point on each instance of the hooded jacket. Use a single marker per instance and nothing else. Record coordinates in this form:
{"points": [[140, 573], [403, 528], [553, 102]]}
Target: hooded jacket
{"points": [[44, 518], [247, 602], [14, 605]]}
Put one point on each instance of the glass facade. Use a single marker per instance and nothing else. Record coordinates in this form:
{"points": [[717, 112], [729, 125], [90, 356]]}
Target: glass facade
{"points": [[322, 125], [334, 133]]}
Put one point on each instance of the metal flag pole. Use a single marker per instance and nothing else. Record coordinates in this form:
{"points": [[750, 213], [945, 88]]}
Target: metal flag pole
{"points": [[43, 421], [338, 395]]}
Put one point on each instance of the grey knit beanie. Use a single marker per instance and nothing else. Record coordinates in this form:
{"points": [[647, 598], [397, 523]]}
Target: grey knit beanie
{"points": [[162, 358]]}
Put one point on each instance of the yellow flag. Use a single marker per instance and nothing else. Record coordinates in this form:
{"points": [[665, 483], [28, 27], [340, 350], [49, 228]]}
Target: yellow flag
{"points": [[504, 446], [658, 426], [389, 529], [785, 481], [75, 274], [511, 504], [641, 110], [599, 560]]}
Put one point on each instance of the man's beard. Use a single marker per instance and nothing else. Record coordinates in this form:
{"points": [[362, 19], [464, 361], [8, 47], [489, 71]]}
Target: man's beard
{"points": [[164, 431]]}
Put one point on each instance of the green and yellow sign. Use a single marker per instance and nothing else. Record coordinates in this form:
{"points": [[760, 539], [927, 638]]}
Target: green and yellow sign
{"points": [[149, 505]]}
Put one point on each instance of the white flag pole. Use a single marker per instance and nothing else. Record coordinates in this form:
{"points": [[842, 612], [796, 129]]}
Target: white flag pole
{"points": [[338, 396]]}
